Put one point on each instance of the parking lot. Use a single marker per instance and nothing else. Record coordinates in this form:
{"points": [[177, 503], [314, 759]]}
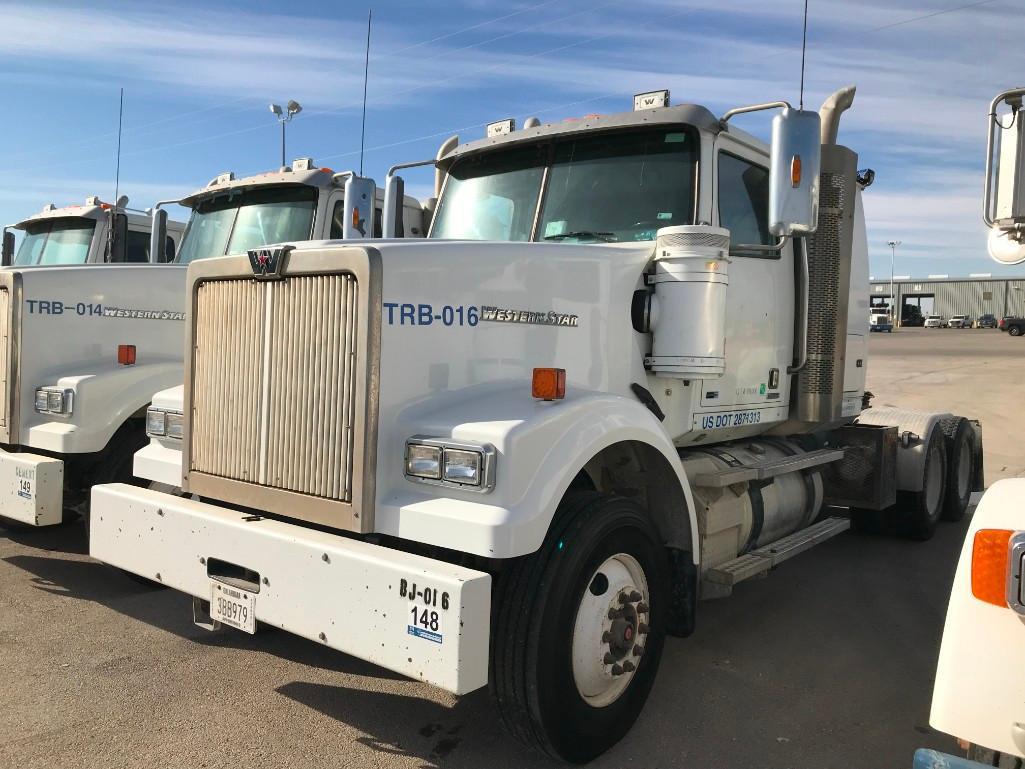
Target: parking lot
{"points": [[826, 663]]}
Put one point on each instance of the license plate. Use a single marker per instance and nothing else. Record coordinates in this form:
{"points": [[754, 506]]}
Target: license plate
{"points": [[233, 606]]}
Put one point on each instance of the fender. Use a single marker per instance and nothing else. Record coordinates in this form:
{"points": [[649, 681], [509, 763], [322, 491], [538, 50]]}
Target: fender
{"points": [[102, 403], [980, 678], [541, 447]]}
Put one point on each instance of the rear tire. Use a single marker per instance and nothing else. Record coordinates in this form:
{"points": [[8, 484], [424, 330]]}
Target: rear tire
{"points": [[1014, 330], [920, 510], [962, 446], [567, 678]]}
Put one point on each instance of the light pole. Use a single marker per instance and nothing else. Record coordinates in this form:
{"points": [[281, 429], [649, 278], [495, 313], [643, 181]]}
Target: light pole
{"points": [[292, 109], [893, 296]]}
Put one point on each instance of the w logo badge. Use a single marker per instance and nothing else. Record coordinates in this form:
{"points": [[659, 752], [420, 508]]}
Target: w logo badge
{"points": [[268, 262]]}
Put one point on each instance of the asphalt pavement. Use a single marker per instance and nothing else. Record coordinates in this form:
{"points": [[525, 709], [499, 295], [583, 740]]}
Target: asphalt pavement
{"points": [[827, 662]]}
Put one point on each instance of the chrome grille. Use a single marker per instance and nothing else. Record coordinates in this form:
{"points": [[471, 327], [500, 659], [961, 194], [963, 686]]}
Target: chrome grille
{"points": [[5, 356], [274, 382]]}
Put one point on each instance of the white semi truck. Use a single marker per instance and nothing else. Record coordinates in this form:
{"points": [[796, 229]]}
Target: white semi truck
{"points": [[94, 233], [625, 370], [83, 349], [979, 693]]}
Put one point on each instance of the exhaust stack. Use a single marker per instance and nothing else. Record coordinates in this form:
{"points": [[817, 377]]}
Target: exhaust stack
{"points": [[818, 394]]}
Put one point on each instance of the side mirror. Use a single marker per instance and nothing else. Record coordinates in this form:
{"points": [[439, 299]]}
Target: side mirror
{"points": [[394, 195], [158, 237], [7, 258], [119, 225], [360, 196], [796, 157]]}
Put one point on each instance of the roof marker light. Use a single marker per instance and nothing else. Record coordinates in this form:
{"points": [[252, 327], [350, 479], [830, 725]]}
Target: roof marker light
{"points": [[126, 354]]}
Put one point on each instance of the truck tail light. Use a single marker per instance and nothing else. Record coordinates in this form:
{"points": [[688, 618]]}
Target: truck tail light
{"points": [[126, 354], [990, 563], [549, 384]]}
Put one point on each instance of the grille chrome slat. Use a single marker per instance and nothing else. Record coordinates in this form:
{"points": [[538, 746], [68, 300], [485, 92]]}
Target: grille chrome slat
{"points": [[277, 411], [5, 357]]}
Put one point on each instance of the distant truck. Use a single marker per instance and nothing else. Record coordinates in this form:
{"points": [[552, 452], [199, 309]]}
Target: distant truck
{"points": [[1013, 326], [85, 347], [879, 320]]}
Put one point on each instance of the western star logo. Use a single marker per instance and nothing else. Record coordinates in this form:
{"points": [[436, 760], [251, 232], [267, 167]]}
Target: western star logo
{"points": [[533, 317], [268, 262]]}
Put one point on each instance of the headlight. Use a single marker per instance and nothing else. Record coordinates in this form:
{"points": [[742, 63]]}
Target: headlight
{"points": [[161, 423], [50, 400], [447, 463], [423, 461], [156, 422]]}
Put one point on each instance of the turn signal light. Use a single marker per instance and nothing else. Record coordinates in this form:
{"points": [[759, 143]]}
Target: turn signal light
{"points": [[126, 354], [355, 217], [990, 562], [795, 170], [549, 384]]}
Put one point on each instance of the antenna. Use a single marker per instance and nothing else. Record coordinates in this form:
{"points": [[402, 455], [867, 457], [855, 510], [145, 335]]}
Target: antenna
{"points": [[366, 75], [117, 177], [804, 47]]}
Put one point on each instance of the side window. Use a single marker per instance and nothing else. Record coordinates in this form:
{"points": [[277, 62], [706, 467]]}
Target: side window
{"points": [[137, 247], [338, 225], [744, 201]]}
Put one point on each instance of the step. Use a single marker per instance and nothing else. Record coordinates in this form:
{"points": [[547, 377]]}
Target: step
{"points": [[770, 468], [764, 558]]}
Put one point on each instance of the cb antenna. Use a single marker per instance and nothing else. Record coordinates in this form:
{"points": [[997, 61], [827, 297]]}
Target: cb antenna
{"points": [[804, 47], [117, 176], [366, 75]]}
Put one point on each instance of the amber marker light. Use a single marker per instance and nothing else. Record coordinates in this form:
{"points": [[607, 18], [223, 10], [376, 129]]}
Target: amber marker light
{"points": [[126, 354], [795, 170], [549, 384], [990, 561]]}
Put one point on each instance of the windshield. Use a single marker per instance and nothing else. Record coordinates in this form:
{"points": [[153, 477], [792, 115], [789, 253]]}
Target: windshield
{"points": [[611, 187], [240, 220], [56, 241]]}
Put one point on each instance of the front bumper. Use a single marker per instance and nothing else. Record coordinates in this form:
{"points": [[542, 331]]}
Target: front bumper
{"points": [[332, 589], [31, 488]]}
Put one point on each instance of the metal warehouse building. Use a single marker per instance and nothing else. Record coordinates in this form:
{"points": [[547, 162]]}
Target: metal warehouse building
{"points": [[972, 296]]}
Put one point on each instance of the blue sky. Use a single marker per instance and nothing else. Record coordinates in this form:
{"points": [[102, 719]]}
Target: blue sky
{"points": [[198, 78]]}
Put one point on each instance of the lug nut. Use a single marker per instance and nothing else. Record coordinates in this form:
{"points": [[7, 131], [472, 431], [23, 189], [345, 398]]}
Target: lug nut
{"points": [[606, 637], [629, 667], [635, 596], [609, 659], [617, 670], [615, 613], [638, 650], [642, 628], [642, 608], [624, 598]]}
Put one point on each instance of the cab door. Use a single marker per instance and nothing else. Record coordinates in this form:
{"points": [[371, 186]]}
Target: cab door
{"points": [[760, 298]]}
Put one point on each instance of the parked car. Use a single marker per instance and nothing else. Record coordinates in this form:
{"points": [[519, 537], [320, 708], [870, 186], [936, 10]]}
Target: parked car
{"points": [[986, 321], [1013, 326], [934, 321], [959, 321]]}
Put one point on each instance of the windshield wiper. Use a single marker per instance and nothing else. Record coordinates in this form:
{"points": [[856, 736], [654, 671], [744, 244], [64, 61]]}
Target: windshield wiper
{"points": [[604, 237]]}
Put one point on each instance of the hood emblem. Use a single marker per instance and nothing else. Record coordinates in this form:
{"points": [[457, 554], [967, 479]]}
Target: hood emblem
{"points": [[268, 263]]}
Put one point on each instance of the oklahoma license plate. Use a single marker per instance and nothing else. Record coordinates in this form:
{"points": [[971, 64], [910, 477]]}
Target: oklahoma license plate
{"points": [[233, 606]]}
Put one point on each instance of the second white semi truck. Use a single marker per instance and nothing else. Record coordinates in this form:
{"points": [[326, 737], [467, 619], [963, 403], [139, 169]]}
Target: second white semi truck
{"points": [[625, 370], [83, 348]]}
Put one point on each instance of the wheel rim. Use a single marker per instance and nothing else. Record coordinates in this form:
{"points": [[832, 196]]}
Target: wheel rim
{"points": [[964, 470], [610, 630], [934, 481]]}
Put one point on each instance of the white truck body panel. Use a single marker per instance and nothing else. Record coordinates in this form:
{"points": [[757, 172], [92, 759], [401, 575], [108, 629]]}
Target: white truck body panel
{"points": [[979, 693], [30, 488], [344, 593]]}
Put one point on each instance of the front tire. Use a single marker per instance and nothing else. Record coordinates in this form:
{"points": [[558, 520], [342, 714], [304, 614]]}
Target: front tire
{"points": [[1014, 330], [579, 628]]}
